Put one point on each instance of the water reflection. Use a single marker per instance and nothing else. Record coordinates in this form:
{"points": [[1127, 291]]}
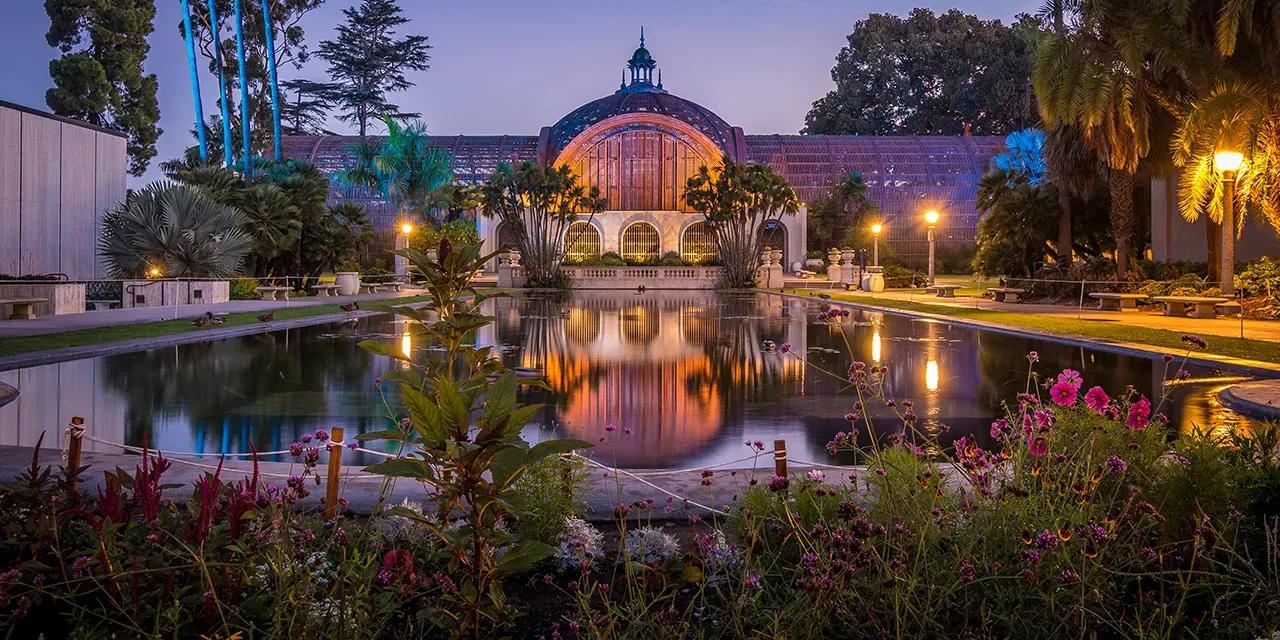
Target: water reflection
{"points": [[685, 371]]}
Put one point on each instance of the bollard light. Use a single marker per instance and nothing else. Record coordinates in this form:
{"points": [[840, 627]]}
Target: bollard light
{"points": [[931, 218]]}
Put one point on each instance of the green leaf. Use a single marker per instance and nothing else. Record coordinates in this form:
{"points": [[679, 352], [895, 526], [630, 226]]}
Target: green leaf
{"points": [[402, 468], [524, 556], [384, 434], [384, 349], [554, 447], [425, 416]]}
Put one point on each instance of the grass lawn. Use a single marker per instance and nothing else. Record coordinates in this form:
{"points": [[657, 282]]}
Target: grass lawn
{"points": [[99, 335], [1262, 350]]}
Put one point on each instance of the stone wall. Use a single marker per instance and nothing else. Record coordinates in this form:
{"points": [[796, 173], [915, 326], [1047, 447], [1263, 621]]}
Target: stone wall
{"points": [[57, 176], [62, 298]]}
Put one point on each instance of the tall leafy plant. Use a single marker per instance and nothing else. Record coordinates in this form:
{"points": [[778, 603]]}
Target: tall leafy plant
{"points": [[737, 200], [538, 204], [178, 228], [403, 168], [462, 431]]}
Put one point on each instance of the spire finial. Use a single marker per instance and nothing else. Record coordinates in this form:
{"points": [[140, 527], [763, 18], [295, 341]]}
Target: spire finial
{"points": [[642, 35]]}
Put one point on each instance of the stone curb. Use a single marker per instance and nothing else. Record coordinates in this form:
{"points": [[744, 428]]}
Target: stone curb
{"points": [[1260, 398]]}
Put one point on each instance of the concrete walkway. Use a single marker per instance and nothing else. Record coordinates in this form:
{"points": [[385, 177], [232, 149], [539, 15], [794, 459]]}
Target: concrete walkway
{"points": [[1151, 319], [1260, 398], [116, 317]]}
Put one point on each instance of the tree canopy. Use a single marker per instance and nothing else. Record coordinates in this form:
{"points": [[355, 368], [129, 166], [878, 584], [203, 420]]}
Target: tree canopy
{"points": [[737, 200], [367, 61], [929, 74], [100, 79]]}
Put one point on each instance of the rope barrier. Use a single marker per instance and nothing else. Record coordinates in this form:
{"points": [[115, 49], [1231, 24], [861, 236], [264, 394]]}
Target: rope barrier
{"points": [[642, 480], [173, 456], [673, 472]]}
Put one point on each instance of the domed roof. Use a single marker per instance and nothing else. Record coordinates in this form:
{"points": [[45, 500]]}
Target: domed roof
{"points": [[641, 57], [657, 102]]}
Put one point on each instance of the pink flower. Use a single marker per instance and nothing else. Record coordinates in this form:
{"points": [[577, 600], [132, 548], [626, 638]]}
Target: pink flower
{"points": [[1071, 376], [1116, 464], [1139, 414], [815, 475], [1038, 446], [1064, 392], [1097, 399]]}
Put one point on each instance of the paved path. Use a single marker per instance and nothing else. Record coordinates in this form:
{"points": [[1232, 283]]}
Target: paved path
{"points": [[1230, 327], [1259, 398], [115, 317]]}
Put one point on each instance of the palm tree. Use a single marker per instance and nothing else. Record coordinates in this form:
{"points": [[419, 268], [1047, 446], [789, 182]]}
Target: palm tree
{"points": [[1075, 169], [176, 227], [1094, 80], [271, 220], [737, 200], [404, 168]]}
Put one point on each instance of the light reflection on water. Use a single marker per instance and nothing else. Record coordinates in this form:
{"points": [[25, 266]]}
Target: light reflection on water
{"points": [[685, 371]]}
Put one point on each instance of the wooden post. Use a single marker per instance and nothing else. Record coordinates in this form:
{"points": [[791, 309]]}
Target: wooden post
{"points": [[75, 443], [335, 468], [780, 458]]}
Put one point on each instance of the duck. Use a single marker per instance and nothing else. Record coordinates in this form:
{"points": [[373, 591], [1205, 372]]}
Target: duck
{"points": [[202, 321], [269, 316], [350, 306]]}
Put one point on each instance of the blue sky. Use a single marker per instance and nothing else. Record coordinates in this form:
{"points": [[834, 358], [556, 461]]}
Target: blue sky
{"points": [[512, 66]]}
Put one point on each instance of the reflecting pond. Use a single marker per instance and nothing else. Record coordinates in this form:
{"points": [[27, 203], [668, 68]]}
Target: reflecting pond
{"points": [[685, 372]]}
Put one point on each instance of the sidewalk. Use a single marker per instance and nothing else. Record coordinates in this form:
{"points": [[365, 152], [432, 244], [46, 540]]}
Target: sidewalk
{"points": [[1229, 327], [115, 317]]}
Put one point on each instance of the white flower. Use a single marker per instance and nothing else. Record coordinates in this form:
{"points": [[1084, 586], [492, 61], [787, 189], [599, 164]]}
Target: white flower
{"points": [[815, 475], [651, 545], [580, 543]]}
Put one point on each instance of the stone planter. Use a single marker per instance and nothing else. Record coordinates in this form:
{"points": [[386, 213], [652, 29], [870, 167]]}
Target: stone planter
{"points": [[348, 283], [775, 256], [814, 264]]}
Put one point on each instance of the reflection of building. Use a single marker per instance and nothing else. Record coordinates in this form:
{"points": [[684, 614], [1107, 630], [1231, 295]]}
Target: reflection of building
{"points": [[640, 144], [664, 364]]}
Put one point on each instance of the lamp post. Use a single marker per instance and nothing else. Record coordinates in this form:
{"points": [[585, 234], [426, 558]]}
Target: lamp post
{"points": [[931, 218], [402, 242], [1228, 163], [875, 243]]}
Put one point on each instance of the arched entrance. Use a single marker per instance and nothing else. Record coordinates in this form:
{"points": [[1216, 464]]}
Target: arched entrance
{"points": [[506, 237], [641, 243], [698, 244], [774, 234]]}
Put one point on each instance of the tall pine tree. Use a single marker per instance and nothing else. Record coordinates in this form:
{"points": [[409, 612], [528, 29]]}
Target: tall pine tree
{"points": [[367, 61], [99, 78], [304, 106]]}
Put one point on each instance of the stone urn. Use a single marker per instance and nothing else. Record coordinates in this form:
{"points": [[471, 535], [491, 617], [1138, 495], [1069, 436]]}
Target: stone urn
{"points": [[348, 283], [514, 257], [775, 257], [765, 255], [814, 264], [847, 256], [833, 256]]}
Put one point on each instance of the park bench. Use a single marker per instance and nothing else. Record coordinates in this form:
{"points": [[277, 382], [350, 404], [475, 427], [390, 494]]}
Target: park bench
{"points": [[1202, 306], [274, 293], [805, 274], [369, 287], [327, 290], [1229, 309], [101, 305], [1118, 301], [1007, 294], [944, 290], [395, 285], [23, 308]]}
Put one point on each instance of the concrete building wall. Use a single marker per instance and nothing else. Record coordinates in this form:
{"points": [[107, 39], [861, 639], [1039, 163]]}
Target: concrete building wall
{"points": [[57, 176], [1173, 238]]}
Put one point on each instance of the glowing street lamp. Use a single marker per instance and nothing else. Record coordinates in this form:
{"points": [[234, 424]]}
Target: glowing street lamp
{"points": [[931, 218], [875, 243], [1228, 163], [401, 263], [154, 272], [406, 228]]}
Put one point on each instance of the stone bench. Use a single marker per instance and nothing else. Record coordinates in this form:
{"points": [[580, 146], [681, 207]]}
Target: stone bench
{"points": [[274, 293], [1118, 301], [23, 308], [805, 273], [1007, 294], [1201, 306], [395, 285], [101, 305], [370, 287], [944, 290], [326, 290]]}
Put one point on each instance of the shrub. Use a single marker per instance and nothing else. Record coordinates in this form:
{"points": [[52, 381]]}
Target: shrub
{"points": [[672, 259], [611, 259], [244, 289], [546, 495], [1261, 279]]}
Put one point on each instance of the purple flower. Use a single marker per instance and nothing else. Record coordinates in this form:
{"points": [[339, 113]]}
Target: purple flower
{"points": [[815, 475], [1116, 464], [321, 435], [295, 449], [1064, 393], [751, 581], [1047, 540], [786, 346], [1139, 415], [1068, 576], [353, 445], [999, 428], [1183, 374], [1071, 376], [1038, 446], [1195, 341], [779, 483], [1097, 399]]}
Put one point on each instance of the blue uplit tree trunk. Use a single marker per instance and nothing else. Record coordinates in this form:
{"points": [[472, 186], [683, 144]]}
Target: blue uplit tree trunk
{"points": [[222, 83], [244, 93], [195, 79], [271, 73]]}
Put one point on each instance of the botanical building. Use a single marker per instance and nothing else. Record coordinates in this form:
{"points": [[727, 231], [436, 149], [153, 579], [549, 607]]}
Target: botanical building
{"points": [[641, 143]]}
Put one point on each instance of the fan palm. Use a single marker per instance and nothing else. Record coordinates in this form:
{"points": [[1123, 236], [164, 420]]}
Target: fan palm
{"points": [[1090, 79], [271, 220], [177, 227], [404, 168]]}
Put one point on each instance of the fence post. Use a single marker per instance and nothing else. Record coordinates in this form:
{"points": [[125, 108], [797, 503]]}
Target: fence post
{"points": [[780, 458], [335, 468], [75, 444]]}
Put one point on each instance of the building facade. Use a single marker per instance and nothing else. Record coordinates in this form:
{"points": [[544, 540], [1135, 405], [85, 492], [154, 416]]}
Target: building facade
{"points": [[57, 176], [641, 143]]}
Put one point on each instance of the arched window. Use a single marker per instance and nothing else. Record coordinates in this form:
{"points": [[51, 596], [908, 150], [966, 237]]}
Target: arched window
{"points": [[507, 238], [582, 242], [698, 244], [640, 243]]}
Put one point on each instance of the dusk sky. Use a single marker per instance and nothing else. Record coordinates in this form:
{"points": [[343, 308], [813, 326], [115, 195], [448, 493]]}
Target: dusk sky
{"points": [[516, 65]]}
